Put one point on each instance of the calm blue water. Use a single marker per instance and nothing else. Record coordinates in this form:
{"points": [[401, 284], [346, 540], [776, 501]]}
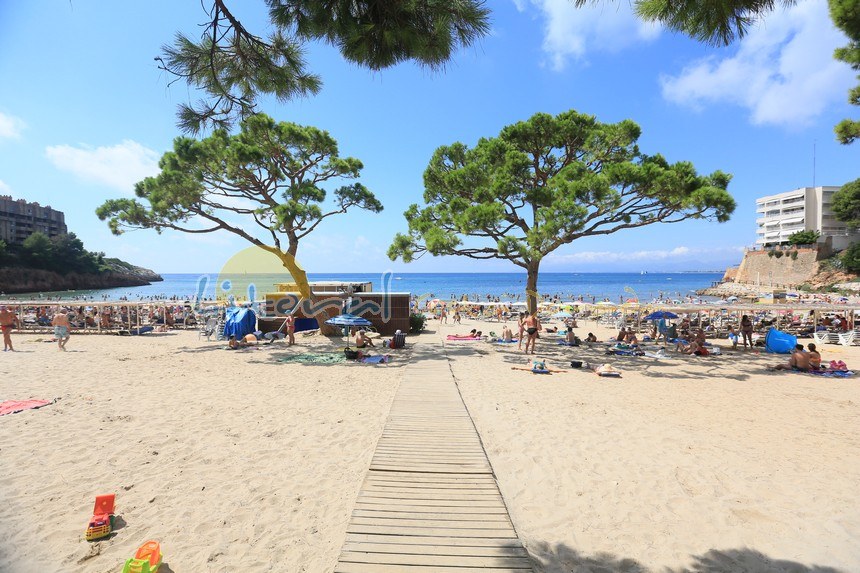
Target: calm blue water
{"points": [[507, 286]]}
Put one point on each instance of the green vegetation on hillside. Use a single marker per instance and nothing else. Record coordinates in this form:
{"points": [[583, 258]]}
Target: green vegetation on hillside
{"points": [[62, 254]]}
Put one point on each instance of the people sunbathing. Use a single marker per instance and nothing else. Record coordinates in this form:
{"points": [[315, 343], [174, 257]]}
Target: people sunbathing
{"points": [[507, 334], [799, 361]]}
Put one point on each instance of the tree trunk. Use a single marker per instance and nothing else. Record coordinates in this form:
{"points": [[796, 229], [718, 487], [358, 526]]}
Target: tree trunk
{"points": [[531, 285]]}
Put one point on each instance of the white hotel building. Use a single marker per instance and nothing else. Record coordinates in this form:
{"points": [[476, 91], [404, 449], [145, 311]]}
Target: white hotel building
{"points": [[804, 209]]}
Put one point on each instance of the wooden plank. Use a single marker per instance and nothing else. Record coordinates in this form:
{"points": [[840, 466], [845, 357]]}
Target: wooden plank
{"points": [[432, 523], [431, 531], [394, 502], [424, 540], [477, 492], [463, 510], [435, 549], [451, 515], [396, 477], [381, 568], [434, 560], [454, 496], [375, 485]]}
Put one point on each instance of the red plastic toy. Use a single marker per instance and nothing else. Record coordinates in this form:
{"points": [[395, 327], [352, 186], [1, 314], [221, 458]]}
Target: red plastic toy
{"points": [[101, 523]]}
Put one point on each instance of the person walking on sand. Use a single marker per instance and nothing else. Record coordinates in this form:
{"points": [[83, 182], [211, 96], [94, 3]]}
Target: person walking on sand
{"points": [[62, 329], [8, 321], [443, 315], [532, 327], [746, 330]]}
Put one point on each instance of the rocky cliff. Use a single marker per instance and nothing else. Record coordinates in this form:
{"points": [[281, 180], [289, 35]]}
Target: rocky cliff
{"points": [[21, 280]]}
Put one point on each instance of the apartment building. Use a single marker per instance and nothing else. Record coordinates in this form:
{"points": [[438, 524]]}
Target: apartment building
{"points": [[804, 209], [20, 219]]}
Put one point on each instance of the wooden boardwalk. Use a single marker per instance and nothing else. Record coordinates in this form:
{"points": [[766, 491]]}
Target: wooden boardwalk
{"points": [[430, 502]]}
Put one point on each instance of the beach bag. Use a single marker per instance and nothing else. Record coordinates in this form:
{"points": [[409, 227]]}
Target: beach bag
{"points": [[350, 353], [576, 363]]}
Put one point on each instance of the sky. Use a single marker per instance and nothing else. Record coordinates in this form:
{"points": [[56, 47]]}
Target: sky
{"points": [[85, 113]]}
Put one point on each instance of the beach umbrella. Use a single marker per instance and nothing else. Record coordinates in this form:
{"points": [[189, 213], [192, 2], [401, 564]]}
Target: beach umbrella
{"points": [[347, 320], [605, 303], [562, 314], [657, 315], [732, 299]]}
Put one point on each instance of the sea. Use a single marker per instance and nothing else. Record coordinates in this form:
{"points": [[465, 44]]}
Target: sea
{"points": [[475, 286]]}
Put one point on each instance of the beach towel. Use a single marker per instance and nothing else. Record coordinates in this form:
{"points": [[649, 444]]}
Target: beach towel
{"points": [[315, 358], [830, 373], [455, 337], [374, 359], [141, 330], [660, 355], [15, 406]]}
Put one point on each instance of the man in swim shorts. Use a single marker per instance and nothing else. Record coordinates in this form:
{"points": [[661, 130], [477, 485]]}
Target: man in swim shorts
{"points": [[532, 326], [62, 329], [8, 320]]}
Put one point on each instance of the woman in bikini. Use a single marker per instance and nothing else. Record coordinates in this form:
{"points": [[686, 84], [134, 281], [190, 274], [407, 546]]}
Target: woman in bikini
{"points": [[746, 330]]}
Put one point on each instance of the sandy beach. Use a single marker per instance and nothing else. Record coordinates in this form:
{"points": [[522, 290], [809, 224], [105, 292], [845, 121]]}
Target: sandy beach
{"points": [[237, 461]]}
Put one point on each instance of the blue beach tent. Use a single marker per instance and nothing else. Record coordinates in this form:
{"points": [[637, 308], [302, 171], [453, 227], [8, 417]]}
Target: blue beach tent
{"points": [[240, 321], [779, 342]]}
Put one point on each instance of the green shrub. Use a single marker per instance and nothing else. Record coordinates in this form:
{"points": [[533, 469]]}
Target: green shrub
{"points": [[416, 322], [778, 254], [851, 258], [793, 255], [770, 254], [804, 238]]}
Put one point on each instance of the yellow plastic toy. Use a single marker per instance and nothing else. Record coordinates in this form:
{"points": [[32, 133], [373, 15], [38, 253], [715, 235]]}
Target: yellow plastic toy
{"points": [[146, 560], [101, 523]]}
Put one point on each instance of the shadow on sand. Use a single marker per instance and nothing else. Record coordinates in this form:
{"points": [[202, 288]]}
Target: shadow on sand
{"points": [[561, 558]]}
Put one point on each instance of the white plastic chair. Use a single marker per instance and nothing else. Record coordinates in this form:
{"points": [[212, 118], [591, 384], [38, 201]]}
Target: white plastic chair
{"points": [[822, 337], [208, 329], [846, 338]]}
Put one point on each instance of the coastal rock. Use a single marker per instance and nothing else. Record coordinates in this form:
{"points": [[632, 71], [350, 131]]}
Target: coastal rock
{"points": [[21, 280], [123, 268]]}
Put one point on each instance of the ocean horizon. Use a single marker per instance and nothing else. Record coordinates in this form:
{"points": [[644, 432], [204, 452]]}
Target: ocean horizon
{"points": [[505, 286]]}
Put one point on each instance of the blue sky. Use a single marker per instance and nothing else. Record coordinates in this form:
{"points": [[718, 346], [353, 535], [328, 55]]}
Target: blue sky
{"points": [[84, 113]]}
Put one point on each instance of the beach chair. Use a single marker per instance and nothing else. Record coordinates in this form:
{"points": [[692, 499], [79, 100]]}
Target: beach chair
{"points": [[846, 338], [821, 337], [208, 329]]}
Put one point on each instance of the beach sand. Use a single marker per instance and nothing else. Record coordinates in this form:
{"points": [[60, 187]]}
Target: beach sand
{"points": [[684, 465], [237, 462], [232, 460]]}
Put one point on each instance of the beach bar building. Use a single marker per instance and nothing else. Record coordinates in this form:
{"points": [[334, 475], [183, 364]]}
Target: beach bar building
{"points": [[387, 311], [804, 209]]}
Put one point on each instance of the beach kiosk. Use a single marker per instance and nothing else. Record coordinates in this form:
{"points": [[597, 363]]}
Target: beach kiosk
{"points": [[388, 312]]}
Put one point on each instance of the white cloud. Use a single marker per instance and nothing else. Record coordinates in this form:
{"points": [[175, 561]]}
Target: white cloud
{"points": [[678, 253], [119, 166], [4, 188], [783, 71], [570, 32], [11, 126]]}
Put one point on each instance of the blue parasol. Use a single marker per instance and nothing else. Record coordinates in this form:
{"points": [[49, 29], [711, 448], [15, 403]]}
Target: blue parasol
{"points": [[657, 315], [347, 320]]}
